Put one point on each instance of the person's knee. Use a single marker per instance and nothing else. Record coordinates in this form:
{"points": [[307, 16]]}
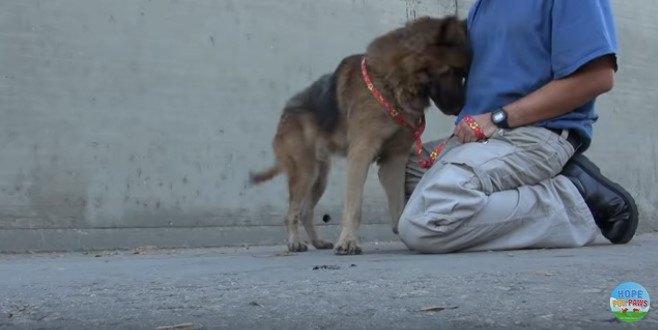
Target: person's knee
{"points": [[410, 238], [433, 215], [423, 239]]}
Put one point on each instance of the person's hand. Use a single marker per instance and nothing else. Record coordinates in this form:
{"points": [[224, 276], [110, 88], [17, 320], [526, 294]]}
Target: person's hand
{"points": [[465, 133]]}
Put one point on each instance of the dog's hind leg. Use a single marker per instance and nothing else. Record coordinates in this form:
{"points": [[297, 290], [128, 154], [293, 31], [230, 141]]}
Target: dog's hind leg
{"points": [[317, 191]]}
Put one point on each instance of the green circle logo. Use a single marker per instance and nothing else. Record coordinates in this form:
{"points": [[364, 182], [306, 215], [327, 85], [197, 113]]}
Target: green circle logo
{"points": [[630, 302]]}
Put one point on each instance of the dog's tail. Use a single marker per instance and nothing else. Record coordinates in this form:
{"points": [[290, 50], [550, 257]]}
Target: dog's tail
{"points": [[266, 175]]}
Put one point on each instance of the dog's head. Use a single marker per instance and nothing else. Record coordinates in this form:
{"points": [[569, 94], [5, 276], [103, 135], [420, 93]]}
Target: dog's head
{"points": [[427, 58]]}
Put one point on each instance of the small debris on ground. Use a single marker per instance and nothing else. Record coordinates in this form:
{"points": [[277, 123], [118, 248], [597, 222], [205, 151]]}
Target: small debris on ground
{"points": [[331, 267], [254, 303], [326, 218], [437, 308], [353, 265], [176, 326]]}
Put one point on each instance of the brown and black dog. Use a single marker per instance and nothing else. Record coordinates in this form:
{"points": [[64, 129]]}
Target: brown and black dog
{"points": [[337, 115]]}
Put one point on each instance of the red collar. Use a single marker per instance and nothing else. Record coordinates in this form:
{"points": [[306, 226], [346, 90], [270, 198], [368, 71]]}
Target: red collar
{"points": [[418, 132]]}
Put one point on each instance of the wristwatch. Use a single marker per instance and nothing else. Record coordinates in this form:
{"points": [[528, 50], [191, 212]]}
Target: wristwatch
{"points": [[499, 118]]}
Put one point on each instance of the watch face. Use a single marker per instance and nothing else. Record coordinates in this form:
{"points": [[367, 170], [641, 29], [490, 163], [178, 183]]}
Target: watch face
{"points": [[498, 117]]}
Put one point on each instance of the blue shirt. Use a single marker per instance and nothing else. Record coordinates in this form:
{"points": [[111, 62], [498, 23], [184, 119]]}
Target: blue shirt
{"points": [[521, 45]]}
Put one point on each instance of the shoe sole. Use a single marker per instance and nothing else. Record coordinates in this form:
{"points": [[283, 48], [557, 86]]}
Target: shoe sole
{"points": [[595, 172]]}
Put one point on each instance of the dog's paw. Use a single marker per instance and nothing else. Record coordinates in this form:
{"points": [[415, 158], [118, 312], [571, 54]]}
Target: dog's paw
{"points": [[323, 245], [297, 247], [349, 247]]}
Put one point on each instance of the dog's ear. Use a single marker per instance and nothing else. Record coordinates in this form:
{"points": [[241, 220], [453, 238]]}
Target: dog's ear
{"points": [[419, 34], [453, 41], [452, 31]]}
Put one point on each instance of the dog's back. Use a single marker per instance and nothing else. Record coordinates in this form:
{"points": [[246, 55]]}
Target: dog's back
{"points": [[312, 112], [320, 100]]}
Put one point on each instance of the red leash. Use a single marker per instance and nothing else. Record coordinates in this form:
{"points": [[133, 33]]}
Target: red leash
{"points": [[424, 163]]}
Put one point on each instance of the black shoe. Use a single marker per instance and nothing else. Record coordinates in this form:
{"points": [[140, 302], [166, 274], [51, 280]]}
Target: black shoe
{"points": [[613, 208]]}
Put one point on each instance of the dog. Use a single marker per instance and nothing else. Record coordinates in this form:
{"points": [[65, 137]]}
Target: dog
{"points": [[426, 59]]}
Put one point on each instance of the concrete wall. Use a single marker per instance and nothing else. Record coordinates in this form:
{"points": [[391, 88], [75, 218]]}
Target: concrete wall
{"points": [[127, 123]]}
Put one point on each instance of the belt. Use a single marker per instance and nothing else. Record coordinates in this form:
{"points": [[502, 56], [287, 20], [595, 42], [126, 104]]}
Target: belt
{"points": [[573, 138]]}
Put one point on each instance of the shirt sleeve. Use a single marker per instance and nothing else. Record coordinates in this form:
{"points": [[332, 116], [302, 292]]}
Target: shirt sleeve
{"points": [[582, 30]]}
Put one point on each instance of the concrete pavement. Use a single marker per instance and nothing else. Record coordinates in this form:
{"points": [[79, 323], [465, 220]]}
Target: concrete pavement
{"points": [[268, 288]]}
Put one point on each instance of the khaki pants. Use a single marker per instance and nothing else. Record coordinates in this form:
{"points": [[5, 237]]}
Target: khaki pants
{"points": [[502, 194]]}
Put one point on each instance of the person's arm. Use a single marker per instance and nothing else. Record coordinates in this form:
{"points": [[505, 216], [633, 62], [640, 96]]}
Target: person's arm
{"points": [[554, 99], [561, 96]]}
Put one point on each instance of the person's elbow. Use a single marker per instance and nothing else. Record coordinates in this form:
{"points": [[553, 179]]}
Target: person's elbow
{"points": [[600, 74], [605, 80]]}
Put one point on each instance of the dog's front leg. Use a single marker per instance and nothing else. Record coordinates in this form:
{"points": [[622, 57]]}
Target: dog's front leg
{"points": [[391, 176], [359, 158]]}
